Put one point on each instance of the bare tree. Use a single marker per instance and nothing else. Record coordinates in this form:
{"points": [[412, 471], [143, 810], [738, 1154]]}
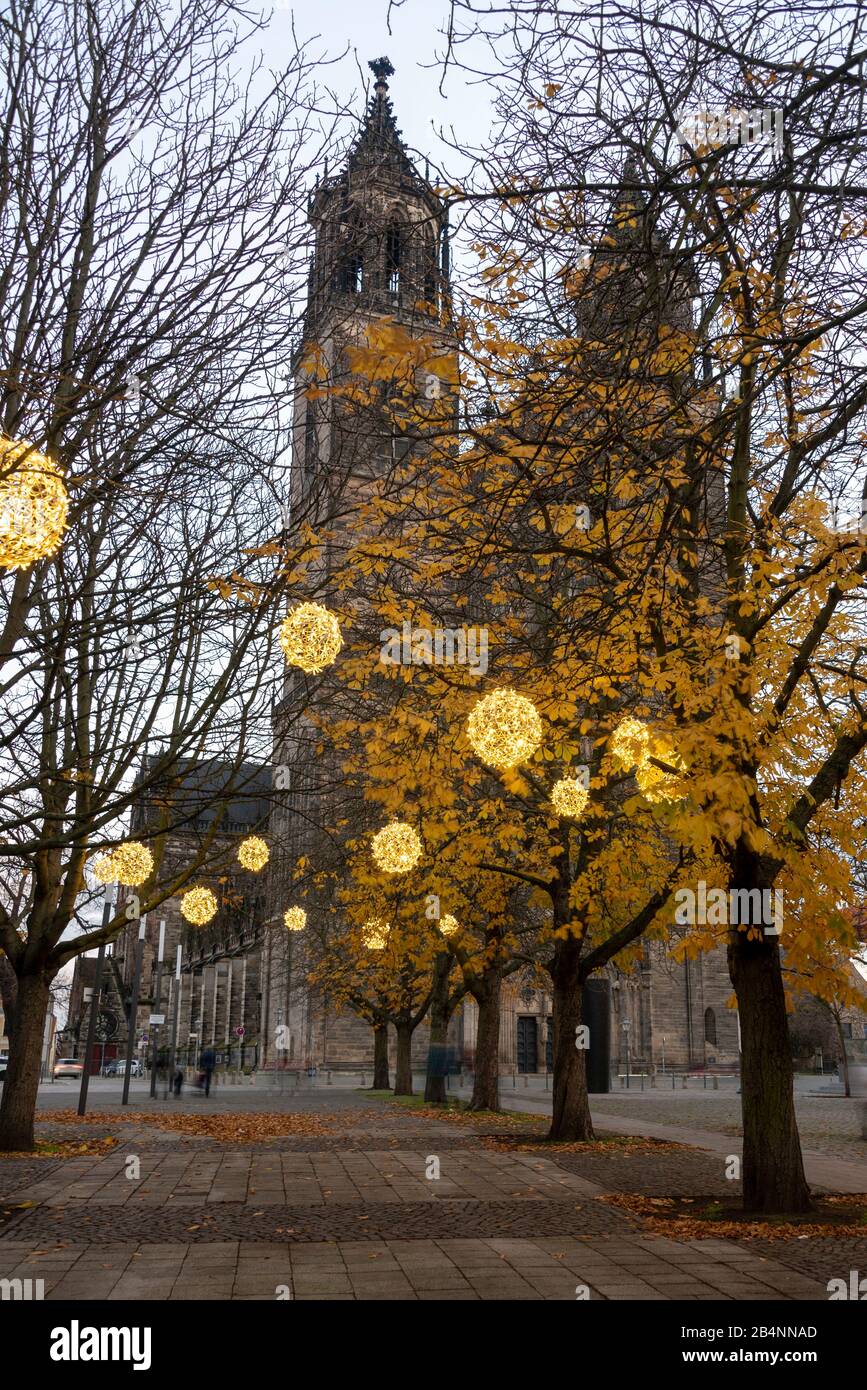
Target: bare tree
{"points": [[152, 190]]}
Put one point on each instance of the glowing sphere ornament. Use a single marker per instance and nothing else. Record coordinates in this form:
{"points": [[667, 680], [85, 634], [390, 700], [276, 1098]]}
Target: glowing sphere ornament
{"points": [[198, 906], [133, 864], [33, 506], [629, 744], [374, 934], [569, 797], [449, 925], [654, 783], [103, 869], [310, 638], [253, 853], [504, 728], [396, 848], [295, 919]]}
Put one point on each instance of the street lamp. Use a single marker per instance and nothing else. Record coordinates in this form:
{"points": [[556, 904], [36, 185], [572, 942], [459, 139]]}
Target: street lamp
{"points": [[625, 1025]]}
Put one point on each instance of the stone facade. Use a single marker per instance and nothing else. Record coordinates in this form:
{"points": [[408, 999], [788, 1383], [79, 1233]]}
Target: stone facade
{"points": [[218, 992]]}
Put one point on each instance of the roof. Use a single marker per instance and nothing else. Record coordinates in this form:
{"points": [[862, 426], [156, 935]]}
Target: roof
{"points": [[237, 796]]}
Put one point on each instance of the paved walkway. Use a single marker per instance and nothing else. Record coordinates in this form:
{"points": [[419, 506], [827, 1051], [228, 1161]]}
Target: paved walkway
{"points": [[374, 1202], [824, 1173]]}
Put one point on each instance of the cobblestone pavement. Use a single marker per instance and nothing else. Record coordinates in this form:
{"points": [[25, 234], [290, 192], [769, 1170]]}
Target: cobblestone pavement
{"points": [[351, 1213]]}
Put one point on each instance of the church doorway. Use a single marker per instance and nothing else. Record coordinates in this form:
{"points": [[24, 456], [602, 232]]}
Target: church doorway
{"points": [[527, 1042]]}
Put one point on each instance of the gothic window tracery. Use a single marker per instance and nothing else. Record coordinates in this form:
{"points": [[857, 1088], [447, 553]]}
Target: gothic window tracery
{"points": [[350, 258], [393, 257]]}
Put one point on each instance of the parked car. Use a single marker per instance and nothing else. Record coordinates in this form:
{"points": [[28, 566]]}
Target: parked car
{"points": [[4, 1062], [118, 1068], [66, 1066]]}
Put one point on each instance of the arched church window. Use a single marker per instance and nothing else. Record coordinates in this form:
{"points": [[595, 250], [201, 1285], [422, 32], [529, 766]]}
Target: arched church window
{"points": [[393, 258], [710, 1027], [310, 441], [429, 254], [350, 258]]}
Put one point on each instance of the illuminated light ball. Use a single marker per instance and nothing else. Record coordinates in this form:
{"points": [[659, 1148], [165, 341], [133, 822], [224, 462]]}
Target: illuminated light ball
{"points": [[253, 853], [310, 638], [504, 728], [198, 906], [132, 863], [654, 783], [33, 506], [449, 925], [629, 743], [569, 797], [374, 934], [295, 919], [103, 869], [396, 848]]}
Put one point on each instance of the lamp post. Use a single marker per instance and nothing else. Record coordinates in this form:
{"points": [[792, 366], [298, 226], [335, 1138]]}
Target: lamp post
{"points": [[663, 1056], [625, 1025], [133, 1007], [156, 1016], [107, 908], [175, 1015]]}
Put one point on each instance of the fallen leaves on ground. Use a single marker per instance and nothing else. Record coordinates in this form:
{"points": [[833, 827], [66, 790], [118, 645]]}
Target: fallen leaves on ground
{"points": [[504, 1119], [225, 1129], [66, 1148], [615, 1145], [662, 1216]]}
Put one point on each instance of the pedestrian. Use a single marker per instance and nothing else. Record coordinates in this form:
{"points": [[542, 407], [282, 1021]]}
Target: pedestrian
{"points": [[209, 1061], [177, 1081]]}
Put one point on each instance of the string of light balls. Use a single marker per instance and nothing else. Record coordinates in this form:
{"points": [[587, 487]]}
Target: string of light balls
{"points": [[295, 919], [198, 906], [253, 853], [504, 729], [396, 848], [310, 638], [130, 864], [569, 797], [374, 933], [33, 505]]}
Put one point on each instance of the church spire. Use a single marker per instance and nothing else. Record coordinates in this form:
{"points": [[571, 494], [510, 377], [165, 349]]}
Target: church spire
{"points": [[380, 140]]}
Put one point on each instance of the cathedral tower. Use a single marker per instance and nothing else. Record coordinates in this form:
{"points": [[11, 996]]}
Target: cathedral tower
{"points": [[380, 257]]}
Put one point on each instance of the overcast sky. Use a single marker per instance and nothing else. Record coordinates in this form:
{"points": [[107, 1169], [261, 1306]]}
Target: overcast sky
{"points": [[415, 41]]}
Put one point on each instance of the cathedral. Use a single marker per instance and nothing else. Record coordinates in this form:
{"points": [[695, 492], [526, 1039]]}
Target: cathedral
{"points": [[381, 252]]}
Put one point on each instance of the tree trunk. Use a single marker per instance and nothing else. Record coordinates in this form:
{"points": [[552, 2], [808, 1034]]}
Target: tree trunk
{"points": [[18, 1104], [8, 992], [403, 1071], [773, 1169], [570, 1118], [486, 1080], [435, 1080], [380, 1057]]}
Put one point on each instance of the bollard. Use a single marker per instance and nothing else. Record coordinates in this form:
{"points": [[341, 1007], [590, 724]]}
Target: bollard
{"points": [[704, 1078], [642, 1081], [715, 1082], [672, 1080], [328, 1081], [653, 1081], [683, 1087]]}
